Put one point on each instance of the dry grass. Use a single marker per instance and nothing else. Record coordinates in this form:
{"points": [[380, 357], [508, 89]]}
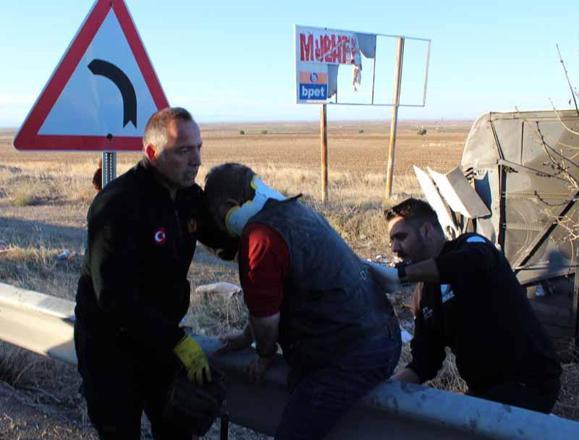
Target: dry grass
{"points": [[44, 198], [568, 403], [39, 269], [45, 383]]}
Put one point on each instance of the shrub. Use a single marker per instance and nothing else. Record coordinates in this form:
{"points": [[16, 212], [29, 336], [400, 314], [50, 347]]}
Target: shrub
{"points": [[421, 131], [263, 131], [23, 199], [360, 131], [242, 132]]}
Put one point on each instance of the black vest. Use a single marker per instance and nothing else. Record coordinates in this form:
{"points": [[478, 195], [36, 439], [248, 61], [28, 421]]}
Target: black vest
{"points": [[330, 300]]}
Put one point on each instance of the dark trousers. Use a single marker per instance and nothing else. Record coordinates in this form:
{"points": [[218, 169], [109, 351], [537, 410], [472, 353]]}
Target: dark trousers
{"points": [[540, 398], [322, 396], [119, 384]]}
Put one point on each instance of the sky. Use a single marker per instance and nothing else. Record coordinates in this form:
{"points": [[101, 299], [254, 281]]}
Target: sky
{"points": [[234, 60]]}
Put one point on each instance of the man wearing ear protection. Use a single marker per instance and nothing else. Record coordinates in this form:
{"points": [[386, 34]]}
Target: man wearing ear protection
{"points": [[306, 290], [470, 300], [133, 289]]}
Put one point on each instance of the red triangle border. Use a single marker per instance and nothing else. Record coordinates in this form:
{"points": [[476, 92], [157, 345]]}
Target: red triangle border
{"points": [[28, 137]]}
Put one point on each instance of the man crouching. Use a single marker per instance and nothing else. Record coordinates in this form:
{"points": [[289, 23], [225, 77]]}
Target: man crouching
{"points": [[308, 291], [470, 300]]}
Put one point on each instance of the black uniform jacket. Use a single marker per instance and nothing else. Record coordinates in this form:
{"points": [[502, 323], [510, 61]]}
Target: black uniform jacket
{"points": [[481, 312], [133, 284]]}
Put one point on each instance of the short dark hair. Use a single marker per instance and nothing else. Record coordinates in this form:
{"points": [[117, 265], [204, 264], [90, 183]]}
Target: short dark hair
{"points": [[156, 129], [413, 210], [226, 183]]}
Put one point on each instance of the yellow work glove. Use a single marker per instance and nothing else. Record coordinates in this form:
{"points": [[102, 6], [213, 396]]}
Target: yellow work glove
{"points": [[193, 358]]}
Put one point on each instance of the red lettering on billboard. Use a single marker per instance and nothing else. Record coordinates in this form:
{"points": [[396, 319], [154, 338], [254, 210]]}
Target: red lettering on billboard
{"points": [[327, 48], [334, 57], [306, 49]]}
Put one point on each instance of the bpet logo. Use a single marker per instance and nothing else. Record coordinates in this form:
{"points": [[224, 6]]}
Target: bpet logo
{"points": [[313, 86], [313, 91]]}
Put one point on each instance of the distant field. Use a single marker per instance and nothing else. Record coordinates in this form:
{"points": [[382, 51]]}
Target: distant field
{"points": [[54, 188], [288, 155], [353, 147]]}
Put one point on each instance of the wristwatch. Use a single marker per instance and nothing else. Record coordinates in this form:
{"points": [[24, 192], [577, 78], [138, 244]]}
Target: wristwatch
{"points": [[401, 268]]}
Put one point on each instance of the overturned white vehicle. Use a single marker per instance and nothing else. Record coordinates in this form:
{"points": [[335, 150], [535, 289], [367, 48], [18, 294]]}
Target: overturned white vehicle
{"points": [[518, 185]]}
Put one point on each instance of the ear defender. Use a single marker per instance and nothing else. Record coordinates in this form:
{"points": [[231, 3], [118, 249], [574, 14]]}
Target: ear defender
{"points": [[238, 216]]}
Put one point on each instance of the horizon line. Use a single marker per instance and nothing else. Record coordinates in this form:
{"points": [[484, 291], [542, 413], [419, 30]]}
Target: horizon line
{"points": [[311, 121]]}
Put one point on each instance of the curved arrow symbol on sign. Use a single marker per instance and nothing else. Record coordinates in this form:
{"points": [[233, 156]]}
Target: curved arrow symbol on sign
{"points": [[122, 81]]}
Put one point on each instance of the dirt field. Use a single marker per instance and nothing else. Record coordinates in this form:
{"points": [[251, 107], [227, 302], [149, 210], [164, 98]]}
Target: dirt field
{"points": [[44, 198]]}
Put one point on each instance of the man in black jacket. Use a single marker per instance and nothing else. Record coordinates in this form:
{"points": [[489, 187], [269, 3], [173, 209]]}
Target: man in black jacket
{"points": [[470, 300], [133, 290]]}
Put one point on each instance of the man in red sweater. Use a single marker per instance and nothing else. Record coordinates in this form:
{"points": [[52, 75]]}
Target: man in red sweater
{"points": [[308, 291]]}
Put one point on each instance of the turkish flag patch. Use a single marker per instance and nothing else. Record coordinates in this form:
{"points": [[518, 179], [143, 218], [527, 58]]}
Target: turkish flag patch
{"points": [[160, 237]]}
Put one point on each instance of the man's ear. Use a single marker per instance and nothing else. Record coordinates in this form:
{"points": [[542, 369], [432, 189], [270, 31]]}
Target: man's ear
{"points": [[150, 152], [426, 231]]}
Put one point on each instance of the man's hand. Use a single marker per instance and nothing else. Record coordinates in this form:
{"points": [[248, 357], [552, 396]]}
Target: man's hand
{"points": [[194, 360], [229, 253], [257, 368], [386, 276], [406, 375], [265, 330], [235, 341]]}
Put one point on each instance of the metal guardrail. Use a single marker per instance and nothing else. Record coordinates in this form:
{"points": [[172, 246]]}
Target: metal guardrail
{"points": [[43, 324], [37, 322]]}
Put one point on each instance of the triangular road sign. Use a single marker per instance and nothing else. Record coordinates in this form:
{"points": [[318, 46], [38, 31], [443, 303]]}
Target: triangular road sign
{"points": [[101, 94]]}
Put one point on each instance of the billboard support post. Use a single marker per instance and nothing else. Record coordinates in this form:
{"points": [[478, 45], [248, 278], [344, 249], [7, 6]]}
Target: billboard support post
{"points": [[394, 120], [576, 302], [324, 150]]}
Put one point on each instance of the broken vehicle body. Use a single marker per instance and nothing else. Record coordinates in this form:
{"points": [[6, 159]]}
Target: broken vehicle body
{"points": [[518, 186]]}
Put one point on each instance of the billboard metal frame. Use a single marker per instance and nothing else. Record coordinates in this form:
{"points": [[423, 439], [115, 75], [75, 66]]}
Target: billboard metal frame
{"points": [[428, 41], [399, 62]]}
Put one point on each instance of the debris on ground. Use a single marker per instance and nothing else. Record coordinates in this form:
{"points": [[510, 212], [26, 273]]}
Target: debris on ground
{"points": [[65, 255], [222, 288]]}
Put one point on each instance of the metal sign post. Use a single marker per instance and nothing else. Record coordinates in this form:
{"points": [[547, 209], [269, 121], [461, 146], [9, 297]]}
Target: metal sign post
{"points": [[394, 120], [324, 151], [109, 160]]}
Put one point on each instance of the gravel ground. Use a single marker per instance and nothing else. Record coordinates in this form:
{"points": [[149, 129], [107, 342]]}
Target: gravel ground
{"points": [[22, 417]]}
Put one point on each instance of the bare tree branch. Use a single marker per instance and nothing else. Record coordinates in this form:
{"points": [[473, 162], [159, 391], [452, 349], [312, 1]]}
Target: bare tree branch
{"points": [[568, 80], [563, 124]]}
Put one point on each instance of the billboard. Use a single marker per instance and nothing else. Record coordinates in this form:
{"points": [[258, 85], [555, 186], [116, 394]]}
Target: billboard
{"points": [[318, 53], [329, 65]]}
